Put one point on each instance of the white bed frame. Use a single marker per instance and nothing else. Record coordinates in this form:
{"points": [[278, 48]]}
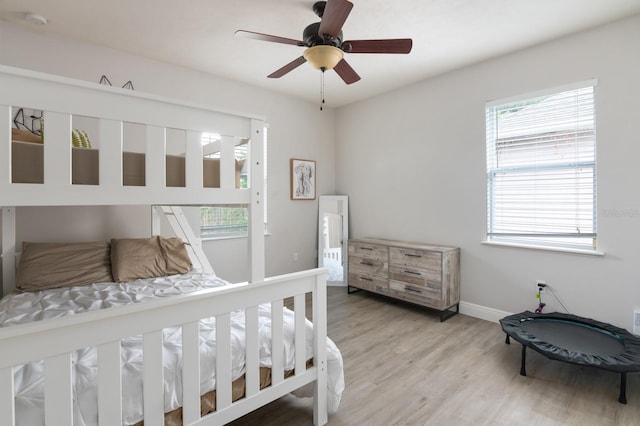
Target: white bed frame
{"points": [[54, 340]]}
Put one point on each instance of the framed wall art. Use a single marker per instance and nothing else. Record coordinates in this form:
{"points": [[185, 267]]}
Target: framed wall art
{"points": [[303, 179]]}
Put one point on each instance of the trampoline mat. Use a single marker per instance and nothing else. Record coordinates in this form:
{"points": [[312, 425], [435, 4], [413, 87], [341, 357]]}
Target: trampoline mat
{"points": [[574, 336], [575, 339]]}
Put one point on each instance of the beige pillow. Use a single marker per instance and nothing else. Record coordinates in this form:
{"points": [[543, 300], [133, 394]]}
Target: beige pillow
{"points": [[135, 258], [52, 265], [176, 256]]}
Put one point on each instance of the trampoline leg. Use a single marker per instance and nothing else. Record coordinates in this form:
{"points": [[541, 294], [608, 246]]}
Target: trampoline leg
{"points": [[623, 388], [523, 371], [507, 340]]}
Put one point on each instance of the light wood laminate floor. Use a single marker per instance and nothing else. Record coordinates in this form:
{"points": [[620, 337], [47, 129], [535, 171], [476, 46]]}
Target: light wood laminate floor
{"points": [[403, 367]]}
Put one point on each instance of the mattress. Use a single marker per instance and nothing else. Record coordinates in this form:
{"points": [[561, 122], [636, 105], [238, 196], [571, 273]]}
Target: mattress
{"points": [[27, 166], [19, 308]]}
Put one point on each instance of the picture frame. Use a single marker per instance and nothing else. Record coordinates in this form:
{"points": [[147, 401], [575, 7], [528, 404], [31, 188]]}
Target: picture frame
{"points": [[303, 179]]}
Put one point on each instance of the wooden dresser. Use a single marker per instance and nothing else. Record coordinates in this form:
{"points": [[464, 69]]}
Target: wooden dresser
{"points": [[424, 274]]}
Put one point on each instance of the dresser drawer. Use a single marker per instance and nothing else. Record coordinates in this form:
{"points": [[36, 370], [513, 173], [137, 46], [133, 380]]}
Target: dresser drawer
{"points": [[417, 258], [372, 251], [417, 294], [364, 265], [366, 282], [416, 276]]}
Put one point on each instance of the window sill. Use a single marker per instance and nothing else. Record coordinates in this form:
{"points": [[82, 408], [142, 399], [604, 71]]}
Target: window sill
{"points": [[230, 237], [545, 248]]}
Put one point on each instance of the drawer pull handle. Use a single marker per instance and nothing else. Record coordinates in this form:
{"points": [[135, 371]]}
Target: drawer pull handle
{"points": [[415, 290], [412, 272], [365, 279], [363, 262], [366, 248], [412, 255]]}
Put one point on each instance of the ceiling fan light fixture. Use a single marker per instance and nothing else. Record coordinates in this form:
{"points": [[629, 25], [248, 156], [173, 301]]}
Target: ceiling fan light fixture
{"points": [[323, 57]]}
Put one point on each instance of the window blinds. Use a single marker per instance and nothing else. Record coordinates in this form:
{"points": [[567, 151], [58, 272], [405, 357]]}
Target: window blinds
{"points": [[541, 169]]}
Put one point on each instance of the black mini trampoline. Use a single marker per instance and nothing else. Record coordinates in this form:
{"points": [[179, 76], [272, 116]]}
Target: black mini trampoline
{"points": [[576, 340]]}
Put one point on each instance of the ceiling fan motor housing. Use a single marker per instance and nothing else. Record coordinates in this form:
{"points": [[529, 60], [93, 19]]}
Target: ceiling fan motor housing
{"points": [[311, 37]]}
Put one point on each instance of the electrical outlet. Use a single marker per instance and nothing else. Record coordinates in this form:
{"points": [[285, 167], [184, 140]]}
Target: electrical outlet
{"points": [[540, 285]]}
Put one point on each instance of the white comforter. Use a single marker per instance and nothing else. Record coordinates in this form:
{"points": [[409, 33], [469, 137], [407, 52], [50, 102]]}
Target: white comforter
{"points": [[29, 382]]}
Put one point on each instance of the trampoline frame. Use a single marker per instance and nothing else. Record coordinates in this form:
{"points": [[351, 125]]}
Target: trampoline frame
{"points": [[628, 361]]}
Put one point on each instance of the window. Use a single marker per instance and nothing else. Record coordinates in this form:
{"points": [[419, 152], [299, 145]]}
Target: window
{"points": [[541, 169], [229, 222]]}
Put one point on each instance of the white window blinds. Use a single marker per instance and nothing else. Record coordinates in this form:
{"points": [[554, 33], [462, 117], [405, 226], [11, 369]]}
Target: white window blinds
{"points": [[541, 169]]}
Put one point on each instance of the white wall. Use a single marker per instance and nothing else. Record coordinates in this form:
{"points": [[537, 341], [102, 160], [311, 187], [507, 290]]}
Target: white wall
{"points": [[424, 178], [297, 130]]}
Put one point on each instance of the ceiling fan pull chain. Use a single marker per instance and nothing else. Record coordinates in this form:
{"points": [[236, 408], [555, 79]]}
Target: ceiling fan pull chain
{"points": [[322, 90]]}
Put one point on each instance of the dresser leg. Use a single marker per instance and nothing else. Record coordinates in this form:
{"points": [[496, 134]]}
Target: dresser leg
{"points": [[448, 313], [352, 289]]}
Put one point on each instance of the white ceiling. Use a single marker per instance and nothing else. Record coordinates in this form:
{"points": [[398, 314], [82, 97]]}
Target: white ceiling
{"points": [[199, 34]]}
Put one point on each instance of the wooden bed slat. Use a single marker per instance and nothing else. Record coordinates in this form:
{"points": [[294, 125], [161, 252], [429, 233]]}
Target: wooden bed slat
{"points": [[110, 158], [58, 392], [57, 149], [153, 378], [223, 361], [109, 384], [299, 303], [193, 162], [7, 406], [190, 372], [253, 351], [227, 162], [277, 342], [155, 155]]}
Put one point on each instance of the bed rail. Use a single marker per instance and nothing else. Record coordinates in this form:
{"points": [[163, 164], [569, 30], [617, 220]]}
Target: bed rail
{"points": [[55, 340], [61, 99]]}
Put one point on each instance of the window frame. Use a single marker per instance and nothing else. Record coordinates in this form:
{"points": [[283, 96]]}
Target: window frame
{"points": [[534, 239]]}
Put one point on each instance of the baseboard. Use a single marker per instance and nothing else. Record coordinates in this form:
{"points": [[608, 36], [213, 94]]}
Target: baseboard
{"points": [[482, 312]]}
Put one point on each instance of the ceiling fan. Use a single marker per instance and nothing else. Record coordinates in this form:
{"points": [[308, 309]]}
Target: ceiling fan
{"points": [[325, 45]]}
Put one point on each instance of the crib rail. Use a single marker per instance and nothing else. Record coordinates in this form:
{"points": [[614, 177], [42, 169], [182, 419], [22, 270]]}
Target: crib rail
{"points": [[55, 340]]}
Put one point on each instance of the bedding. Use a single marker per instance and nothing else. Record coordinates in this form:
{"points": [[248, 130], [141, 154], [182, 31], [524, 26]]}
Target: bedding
{"points": [[27, 159], [18, 308]]}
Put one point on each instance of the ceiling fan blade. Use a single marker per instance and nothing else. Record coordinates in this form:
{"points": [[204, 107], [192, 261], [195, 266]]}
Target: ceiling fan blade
{"points": [[289, 67], [346, 73], [333, 18], [268, 37], [397, 45]]}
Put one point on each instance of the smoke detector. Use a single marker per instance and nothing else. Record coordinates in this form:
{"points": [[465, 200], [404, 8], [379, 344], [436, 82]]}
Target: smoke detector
{"points": [[34, 18]]}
